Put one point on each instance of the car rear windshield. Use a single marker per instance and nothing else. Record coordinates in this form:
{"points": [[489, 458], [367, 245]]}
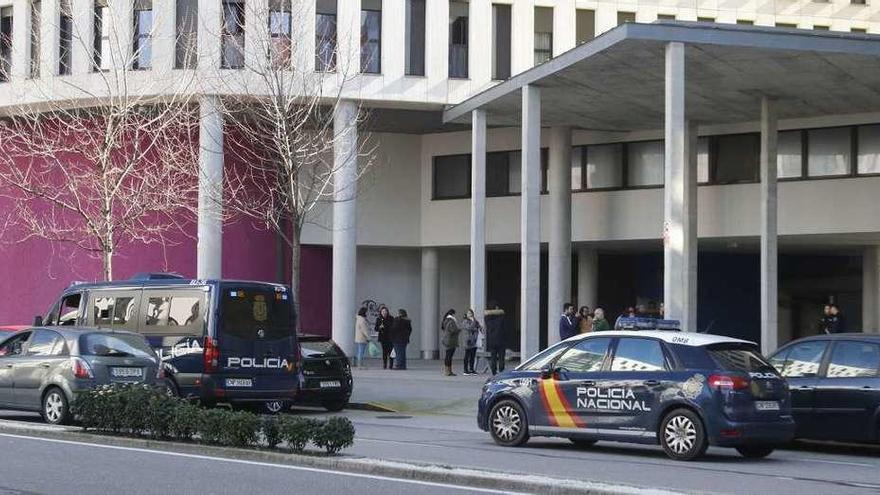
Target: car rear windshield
{"points": [[115, 345], [735, 357], [247, 311], [319, 348]]}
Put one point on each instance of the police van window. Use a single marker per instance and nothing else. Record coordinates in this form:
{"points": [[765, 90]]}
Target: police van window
{"points": [[109, 311], [177, 314], [586, 356], [804, 359], [854, 360], [544, 358], [14, 346], [638, 355], [67, 311], [247, 311], [738, 357], [45, 343]]}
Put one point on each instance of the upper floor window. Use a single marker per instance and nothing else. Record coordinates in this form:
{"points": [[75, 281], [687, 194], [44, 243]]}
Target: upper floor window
{"points": [[279, 32], [585, 25], [543, 34], [458, 39], [736, 158], [829, 151], [325, 35], [36, 27], [5, 43], [624, 17], [371, 36], [414, 34], [789, 155], [604, 166], [232, 55], [143, 33], [101, 43], [644, 162], [452, 176], [501, 50], [65, 37], [504, 172], [869, 149], [187, 27]]}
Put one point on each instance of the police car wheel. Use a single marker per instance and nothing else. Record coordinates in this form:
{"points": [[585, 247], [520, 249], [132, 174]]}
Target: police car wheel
{"points": [[274, 406], [582, 442], [755, 451], [682, 435], [508, 425]]}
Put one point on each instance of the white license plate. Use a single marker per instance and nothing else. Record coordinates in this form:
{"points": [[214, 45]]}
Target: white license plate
{"points": [[331, 384], [239, 382], [126, 372], [767, 405]]}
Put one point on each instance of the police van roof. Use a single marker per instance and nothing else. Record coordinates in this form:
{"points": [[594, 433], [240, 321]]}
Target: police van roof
{"points": [[682, 338], [157, 280]]}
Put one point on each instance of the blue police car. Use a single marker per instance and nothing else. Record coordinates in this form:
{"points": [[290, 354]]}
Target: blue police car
{"points": [[685, 391]]}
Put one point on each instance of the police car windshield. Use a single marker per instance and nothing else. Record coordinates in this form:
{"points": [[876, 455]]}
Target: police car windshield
{"points": [[246, 311], [738, 357], [543, 358]]}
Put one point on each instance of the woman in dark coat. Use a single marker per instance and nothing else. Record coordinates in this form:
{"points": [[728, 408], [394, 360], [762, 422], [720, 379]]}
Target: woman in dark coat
{"points": [[384, 325], [496, 339], [400, 332]]}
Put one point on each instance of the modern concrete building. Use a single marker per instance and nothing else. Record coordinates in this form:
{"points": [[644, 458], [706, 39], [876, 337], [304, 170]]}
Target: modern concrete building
{"points": [[528, 152]]}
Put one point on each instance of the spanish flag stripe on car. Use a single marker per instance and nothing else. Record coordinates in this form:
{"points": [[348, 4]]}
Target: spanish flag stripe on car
{"points": [[557, 406]]}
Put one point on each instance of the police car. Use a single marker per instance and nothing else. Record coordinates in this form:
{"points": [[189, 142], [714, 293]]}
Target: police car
{"points": [[685, 391]]}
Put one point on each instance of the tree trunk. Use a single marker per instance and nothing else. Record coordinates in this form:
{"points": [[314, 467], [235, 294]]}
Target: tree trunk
{"points": [[107, 261], [295, 275]]}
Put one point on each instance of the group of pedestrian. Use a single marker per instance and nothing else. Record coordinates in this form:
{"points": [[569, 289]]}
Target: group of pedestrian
{"points": [[474, 335], [832, 320], [572, 323], [393, 335]]}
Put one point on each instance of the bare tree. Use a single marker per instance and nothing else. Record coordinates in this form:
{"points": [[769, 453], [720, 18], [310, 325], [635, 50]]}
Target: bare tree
{"points": [[100, 163], [280, 127]]}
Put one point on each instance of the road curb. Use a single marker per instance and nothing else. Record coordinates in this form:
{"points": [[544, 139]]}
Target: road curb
{"points": [[358, 465], [369, 406]]}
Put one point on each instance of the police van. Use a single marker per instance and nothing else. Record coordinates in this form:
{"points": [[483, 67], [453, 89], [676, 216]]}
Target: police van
{"points": [[685, 391], [221, 341]]}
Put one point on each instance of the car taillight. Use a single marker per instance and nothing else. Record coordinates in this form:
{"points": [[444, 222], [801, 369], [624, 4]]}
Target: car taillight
{"points": [[728, 382], [81, 369], [211, 355], [160, 373]]}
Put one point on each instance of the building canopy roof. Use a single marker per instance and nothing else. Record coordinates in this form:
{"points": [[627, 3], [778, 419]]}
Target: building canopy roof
{"points": [[616, 82]]}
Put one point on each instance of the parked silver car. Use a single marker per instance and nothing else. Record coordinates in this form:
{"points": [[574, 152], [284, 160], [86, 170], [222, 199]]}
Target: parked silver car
{"points": [[43, 369]]}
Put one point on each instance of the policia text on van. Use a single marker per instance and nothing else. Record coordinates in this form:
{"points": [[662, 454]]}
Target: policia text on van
{"points": [[220, 341]]}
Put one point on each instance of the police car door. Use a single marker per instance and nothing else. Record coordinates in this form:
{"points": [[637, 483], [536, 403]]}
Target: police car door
{"points": [[629, 394], [562, 393]]}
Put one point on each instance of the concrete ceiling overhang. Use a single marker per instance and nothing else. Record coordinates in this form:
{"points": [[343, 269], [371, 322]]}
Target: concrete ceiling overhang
{"points": [[616, 82]]}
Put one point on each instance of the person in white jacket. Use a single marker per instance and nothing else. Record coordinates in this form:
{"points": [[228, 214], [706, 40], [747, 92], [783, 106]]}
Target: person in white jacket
{"points": [[361, 336]]}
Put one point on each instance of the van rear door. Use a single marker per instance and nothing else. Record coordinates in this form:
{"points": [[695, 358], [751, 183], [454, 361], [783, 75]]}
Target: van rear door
{"points": [[256, 331]]}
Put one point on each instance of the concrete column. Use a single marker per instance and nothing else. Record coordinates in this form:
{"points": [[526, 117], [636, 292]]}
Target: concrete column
{"points": [[210, 218], [208, 33], [559, 254], [21, 30], [164, 37], [679, 229], [345, 165], [348, 38], [588, 278], [871, 290], [430, 304], [478, 213], [530, 222], [769, 256]]}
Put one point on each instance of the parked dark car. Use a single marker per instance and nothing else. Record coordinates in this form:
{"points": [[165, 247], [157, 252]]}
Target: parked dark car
{"points": [[835, 386], [221, 341], [43, 369], [327, 373]]}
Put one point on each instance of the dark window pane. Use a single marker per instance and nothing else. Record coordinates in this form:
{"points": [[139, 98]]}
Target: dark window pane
{"points": [[738, 358], [501, 27], [36, 16], [497, 174], [737, 159], [186, 49], [244, 311], [804, 359], [233, 36], [854, 359], [869, 149], [638, 355], [604, 166], [371, 41], [143, 47], [458, 39], [788, 155], [5, 43], [452, 176], [65, 37], [585, 25], [325, 42], [415, 37], [829, 151]]}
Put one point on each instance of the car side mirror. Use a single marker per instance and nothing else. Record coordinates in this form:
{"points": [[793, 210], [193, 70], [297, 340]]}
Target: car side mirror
{"points": [[547, 372], [38, 321]]}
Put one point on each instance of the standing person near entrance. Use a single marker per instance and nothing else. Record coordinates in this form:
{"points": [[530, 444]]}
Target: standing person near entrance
{"points": [[599, 322], [585, 320], [496, 339], [567, 326], [384, 323], [361, 336], [826, 321], [401, 330], [449, 340], [471, 328], [838, 322]]}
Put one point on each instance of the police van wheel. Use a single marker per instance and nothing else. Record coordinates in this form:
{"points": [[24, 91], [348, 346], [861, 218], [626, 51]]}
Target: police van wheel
{"points": [[508, 425], [682, 435], [582, 443], [755, 451]]}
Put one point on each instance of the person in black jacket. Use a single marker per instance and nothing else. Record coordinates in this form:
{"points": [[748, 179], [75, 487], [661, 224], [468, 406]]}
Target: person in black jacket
{"points": [[496, 337], [400, 333], [384, 324]]}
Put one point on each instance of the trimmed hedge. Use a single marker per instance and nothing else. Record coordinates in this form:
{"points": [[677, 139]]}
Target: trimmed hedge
{"points": [[140, 410]]}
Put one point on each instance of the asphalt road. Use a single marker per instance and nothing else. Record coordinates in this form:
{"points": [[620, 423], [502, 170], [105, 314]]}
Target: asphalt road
{"points": [[42, 466]]}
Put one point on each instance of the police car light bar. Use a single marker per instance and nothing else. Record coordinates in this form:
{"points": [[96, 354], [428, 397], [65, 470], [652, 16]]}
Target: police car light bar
{"points": [[641, 323]]}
